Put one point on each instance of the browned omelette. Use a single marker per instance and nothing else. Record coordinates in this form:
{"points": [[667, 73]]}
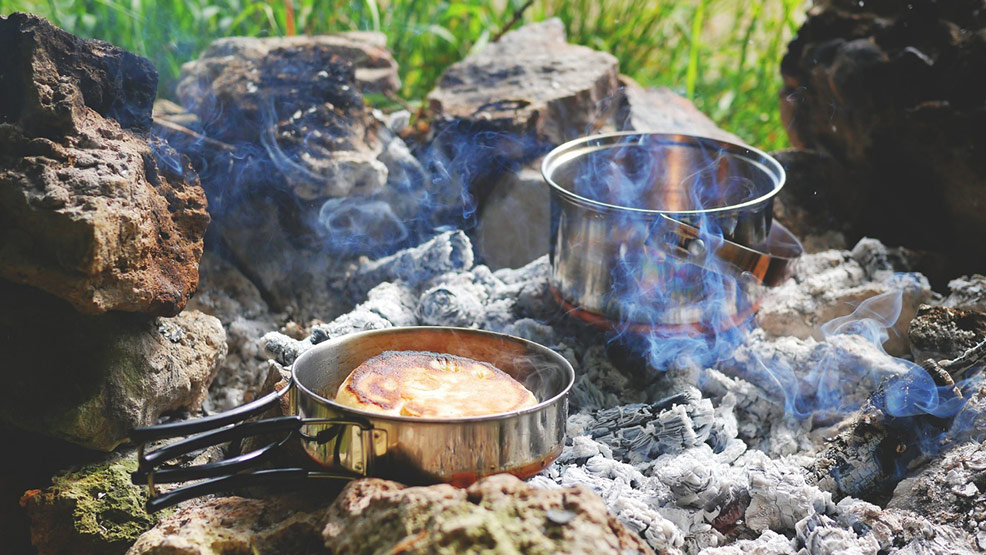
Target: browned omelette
{"points": [[432, 385]]}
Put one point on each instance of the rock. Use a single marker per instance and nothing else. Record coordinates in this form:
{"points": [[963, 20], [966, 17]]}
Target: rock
{"points": [[90, 211], [830, 284], [293, 105], [94, 509], [49, 72], [515, 221], [235, 525], [224, 292], [101, 375], [892, 91], [371, 515], [530, 83], [661, 110], [939, 332], [499, 512]]}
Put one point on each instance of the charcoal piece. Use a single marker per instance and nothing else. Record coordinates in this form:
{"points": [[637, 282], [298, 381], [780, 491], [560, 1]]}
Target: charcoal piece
{"points": [[939, 332], [767, 543], [447, 252], [821, 534], [450, 305], [902, 531], [830, 284], [284, 349], [780, 495]]}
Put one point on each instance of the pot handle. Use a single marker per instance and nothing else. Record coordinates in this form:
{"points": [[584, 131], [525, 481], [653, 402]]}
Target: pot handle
{"points": [[769, 268]]}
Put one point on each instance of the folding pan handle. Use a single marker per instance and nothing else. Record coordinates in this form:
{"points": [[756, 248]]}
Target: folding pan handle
{"points": [[176, 429], [234, 481], [232, 473]]}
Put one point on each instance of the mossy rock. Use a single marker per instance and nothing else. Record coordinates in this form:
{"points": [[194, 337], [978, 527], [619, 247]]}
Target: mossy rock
{"points": [[93, 509]]}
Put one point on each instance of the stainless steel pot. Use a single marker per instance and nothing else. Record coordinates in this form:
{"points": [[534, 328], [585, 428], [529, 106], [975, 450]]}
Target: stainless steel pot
{"points": [[654, 231], [350, 443]]}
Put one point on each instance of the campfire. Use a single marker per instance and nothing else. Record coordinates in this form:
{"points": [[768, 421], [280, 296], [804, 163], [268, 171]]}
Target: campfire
{"points": [[558, 312]]}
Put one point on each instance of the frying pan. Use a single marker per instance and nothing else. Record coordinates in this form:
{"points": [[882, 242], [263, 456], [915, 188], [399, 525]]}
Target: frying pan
{"points": [[348, 443]]}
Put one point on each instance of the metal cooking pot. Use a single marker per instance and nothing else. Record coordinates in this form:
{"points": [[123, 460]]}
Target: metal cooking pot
{"points": [[350, 443], [659, 231]]}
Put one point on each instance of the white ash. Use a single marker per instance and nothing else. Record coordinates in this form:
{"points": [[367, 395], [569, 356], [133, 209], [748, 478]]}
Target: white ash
{"points": [[690, 459], [768, 543], [967, 293], [830, 284], [446, 252], [387, 305]]}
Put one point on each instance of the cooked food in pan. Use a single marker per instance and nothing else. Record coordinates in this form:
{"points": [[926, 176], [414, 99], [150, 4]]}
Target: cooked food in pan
{"points": [[432, 385]]}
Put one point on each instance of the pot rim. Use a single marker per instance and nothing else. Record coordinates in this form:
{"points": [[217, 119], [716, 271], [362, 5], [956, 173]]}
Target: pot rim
{"points": [[566, 367], [580, 147]]}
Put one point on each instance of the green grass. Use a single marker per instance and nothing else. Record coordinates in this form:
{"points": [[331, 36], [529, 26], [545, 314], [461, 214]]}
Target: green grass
{"points": [[723, 54]]}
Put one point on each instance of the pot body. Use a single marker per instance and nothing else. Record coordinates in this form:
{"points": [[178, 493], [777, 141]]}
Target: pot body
{"points": [[421, 450], [618, 203]]}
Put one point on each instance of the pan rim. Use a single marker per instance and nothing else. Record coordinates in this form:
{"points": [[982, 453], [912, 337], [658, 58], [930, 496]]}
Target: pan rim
{"points": [[563, 363]]}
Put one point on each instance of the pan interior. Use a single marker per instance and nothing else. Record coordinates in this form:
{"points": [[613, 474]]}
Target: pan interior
{"points": [[546, 374], [664, 173]]}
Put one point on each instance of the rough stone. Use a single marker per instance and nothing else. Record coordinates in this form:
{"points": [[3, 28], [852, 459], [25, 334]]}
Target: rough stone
{"points": [[499, 512], [90, 211], [529, 83], [939, 332], [892, 91], [101, 375], [225, 293], [804, 205], [235, 525], [661, 110], [515, 221], [294, 104], [91, 510]]}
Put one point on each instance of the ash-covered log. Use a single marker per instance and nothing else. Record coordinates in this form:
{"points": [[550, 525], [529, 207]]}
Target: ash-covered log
{"points": [[901, 424]]}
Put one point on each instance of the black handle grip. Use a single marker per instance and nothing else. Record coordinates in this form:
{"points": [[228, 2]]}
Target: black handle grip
{"points": [[219, 485], [147, 462], [175, 429]]}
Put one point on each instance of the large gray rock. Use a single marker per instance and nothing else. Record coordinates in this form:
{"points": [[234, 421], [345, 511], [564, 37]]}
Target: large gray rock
{"points": [[294, 107], [893, 90], [529, 83], [90, 379], [89, 211]]}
